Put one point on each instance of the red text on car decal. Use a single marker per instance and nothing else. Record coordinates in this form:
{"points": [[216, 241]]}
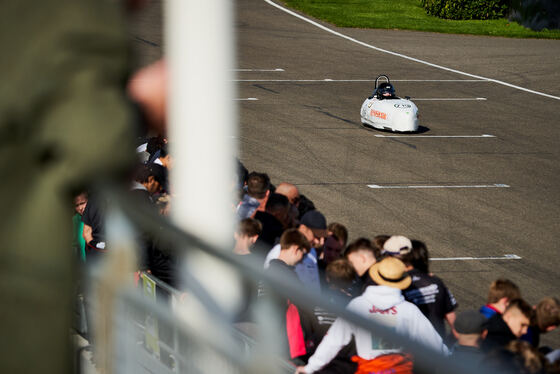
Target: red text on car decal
{"points": [[376, 113]]}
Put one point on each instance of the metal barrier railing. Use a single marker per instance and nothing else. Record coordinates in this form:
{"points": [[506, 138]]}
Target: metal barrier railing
{"points": [[151, 339], [167, 352], [159, 345]]}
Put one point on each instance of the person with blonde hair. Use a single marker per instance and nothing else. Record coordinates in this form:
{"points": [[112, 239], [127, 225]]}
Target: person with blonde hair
{"points": [[501, 292]]}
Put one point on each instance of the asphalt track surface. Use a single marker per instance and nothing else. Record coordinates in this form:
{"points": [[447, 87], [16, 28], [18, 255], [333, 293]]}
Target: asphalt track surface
{"points": [[488, 196]]}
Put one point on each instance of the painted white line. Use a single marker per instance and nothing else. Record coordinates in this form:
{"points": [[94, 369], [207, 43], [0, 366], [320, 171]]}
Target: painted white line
{"points": [[404, 56], [497, 185], [504, 257], [440, 80], [259, 70], [362, 80], [247, 99], [436, 136], [450, 99]]}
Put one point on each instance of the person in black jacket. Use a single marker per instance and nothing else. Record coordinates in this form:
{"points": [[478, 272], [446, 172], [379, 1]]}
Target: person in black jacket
{"points": [[274, 221], [297, 323], [148, 181], [428, 292], [502, 329], [362, 255], [471, 330], [161, 260]]}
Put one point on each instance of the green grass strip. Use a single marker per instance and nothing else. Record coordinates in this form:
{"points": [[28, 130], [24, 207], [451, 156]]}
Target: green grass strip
{"points": [[408, 15]]}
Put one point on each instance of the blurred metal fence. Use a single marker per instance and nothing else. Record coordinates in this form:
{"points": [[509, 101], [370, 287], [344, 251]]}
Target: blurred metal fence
{"points": [[158, 329], [151, 339]]}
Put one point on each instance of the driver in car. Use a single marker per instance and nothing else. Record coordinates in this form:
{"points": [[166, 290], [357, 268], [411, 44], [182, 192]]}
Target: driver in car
{"points": [[385, 91]]}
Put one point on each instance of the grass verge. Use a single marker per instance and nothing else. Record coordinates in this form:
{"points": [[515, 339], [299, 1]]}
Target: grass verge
{"points": [[408, 15]]}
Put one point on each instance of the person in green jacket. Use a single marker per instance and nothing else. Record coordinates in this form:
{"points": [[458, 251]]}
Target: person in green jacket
{"points": [[78, 241]]}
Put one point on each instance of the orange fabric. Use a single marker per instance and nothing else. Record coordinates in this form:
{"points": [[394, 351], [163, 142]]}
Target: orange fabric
{"points": [[397, 363]]}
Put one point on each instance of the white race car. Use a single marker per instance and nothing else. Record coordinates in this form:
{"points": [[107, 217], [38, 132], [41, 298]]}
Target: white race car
{"points": [[386, 111]]}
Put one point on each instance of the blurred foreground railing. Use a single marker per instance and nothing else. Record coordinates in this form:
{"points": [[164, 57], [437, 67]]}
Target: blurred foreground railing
{"points": [[162, 330], [151, 339]]}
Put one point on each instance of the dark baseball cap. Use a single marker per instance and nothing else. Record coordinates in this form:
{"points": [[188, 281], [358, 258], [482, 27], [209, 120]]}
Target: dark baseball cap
{"points": [[316, 221], [470, 322]]}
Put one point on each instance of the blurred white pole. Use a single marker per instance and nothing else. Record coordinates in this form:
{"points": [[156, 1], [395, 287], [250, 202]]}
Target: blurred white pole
{"points": [[202, 115], [202, 118]]}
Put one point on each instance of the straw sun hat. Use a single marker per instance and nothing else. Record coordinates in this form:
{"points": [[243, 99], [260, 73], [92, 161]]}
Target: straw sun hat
{"points": [[390, 272]]}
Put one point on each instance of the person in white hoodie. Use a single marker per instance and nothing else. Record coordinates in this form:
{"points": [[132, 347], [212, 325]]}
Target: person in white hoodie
{"points": [[385, 304]]}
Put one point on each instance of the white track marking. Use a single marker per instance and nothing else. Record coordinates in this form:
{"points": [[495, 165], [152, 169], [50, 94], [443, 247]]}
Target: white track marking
{"points": [[497, 185], [259, 70], [439, 80], [436, 136], [361, 80], [504, 257], [247, 99], [407, 57], [450, 99]]}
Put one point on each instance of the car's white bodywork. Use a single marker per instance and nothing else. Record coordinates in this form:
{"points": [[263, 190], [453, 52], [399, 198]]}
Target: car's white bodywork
{"points": [[394, 113]]}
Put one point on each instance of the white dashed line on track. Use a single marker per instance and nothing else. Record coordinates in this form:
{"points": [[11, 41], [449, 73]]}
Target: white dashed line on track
{"points": [[436, 136], [360, 80], [496, 185], [504, 257], [449, 99], [259, 70], [247, 99]]}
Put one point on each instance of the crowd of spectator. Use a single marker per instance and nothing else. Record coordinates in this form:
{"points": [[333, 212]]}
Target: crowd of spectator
{"points": [[386, 278]]}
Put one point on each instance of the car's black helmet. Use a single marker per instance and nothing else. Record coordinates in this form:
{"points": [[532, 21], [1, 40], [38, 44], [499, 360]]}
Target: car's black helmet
{"points": [[385, 90]]}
